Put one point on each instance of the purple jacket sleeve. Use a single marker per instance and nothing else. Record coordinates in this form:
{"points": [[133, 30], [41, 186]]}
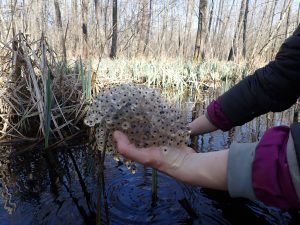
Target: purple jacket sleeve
{"points": [[217, 117], [271, 171], [267, 171]]}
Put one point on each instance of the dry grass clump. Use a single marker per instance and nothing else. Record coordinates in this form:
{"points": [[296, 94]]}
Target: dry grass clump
{"points": [[41, 96], [38, 96]]}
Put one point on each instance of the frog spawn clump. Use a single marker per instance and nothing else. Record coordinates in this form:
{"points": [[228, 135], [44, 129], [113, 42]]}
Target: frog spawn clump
{"points": [[140, 112]]}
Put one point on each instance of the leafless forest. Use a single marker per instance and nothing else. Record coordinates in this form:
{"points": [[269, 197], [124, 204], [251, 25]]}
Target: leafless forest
{"points": [[56, 54], [189, 29]]}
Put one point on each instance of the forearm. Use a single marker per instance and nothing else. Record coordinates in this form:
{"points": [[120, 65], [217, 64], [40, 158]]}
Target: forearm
{"points": [[201, 125], [201, 169]]}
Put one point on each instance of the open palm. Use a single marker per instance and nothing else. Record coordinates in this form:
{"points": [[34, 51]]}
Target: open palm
{"points": [[184, 164], [156, 157]]}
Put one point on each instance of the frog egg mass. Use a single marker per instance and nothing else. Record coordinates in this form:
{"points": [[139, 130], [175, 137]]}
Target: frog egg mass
{"points": [[141, 113]]}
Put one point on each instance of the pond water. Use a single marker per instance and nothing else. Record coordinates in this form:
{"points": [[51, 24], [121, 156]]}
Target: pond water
{"points": [[60, 187]]}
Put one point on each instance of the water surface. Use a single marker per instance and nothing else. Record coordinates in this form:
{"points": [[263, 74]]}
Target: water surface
{"points": [[60, 187]]}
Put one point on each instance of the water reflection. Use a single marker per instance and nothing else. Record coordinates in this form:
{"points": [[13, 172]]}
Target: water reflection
{"points": [[47, 188]]}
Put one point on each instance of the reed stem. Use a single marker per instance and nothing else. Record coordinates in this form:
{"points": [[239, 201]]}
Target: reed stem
{"points": [[48, 109], [154, 186]]}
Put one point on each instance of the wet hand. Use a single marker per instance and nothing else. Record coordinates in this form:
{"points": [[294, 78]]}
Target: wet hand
{"points": [[164, 158], [184, 164]]}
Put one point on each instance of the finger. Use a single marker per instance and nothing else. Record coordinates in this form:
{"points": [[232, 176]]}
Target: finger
{"points": [[130, 151]]}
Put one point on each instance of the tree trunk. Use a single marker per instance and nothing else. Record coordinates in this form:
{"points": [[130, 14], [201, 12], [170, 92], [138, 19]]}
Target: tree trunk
{"points": [[97, 16], [270, 24], [84, 12], [252, 19], [233, 49], [75, 28], [282, 14], [113, 50], [245, 29], [169, 43], [161, 37], [259, 34], [208, 40], [97, 11], [142, 26], [220, 35], [99, 40], [187, 27], [287, 22], [60, 30], [211, 14], [148, 27], [219, 16], [106, 19], [199, 52], [272, 16]]}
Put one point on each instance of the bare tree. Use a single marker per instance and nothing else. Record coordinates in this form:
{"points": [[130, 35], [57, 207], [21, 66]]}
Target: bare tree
{"points": [[272, 38], [219, 16], [106, 18], [161, 36], [272, 16], [199, 52], [153, 28], [188, 24], [43, 13], [60, 29], [233, 49], [288, 21], [259, 33], [84, 12], [245, 29], [99, 39], [142, 26], [74, 23], [220, 40], [97, 11], [148, 27], [113, 50], [283, 14], [211, 14]]}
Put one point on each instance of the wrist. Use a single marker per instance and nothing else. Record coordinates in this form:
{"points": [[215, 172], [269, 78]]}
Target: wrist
{"points": [[201, 125]]}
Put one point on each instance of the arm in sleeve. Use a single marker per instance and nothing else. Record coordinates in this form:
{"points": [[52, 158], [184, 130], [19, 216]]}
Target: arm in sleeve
{"points": [[274, 87], [267, 171]]}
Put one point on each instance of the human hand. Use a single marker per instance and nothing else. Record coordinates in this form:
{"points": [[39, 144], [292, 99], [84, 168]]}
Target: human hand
{"points": [[163, 158], [184, 164]]}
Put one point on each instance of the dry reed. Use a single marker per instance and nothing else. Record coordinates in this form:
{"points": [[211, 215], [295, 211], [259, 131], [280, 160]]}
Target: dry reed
{"points": [[43, 97]]}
